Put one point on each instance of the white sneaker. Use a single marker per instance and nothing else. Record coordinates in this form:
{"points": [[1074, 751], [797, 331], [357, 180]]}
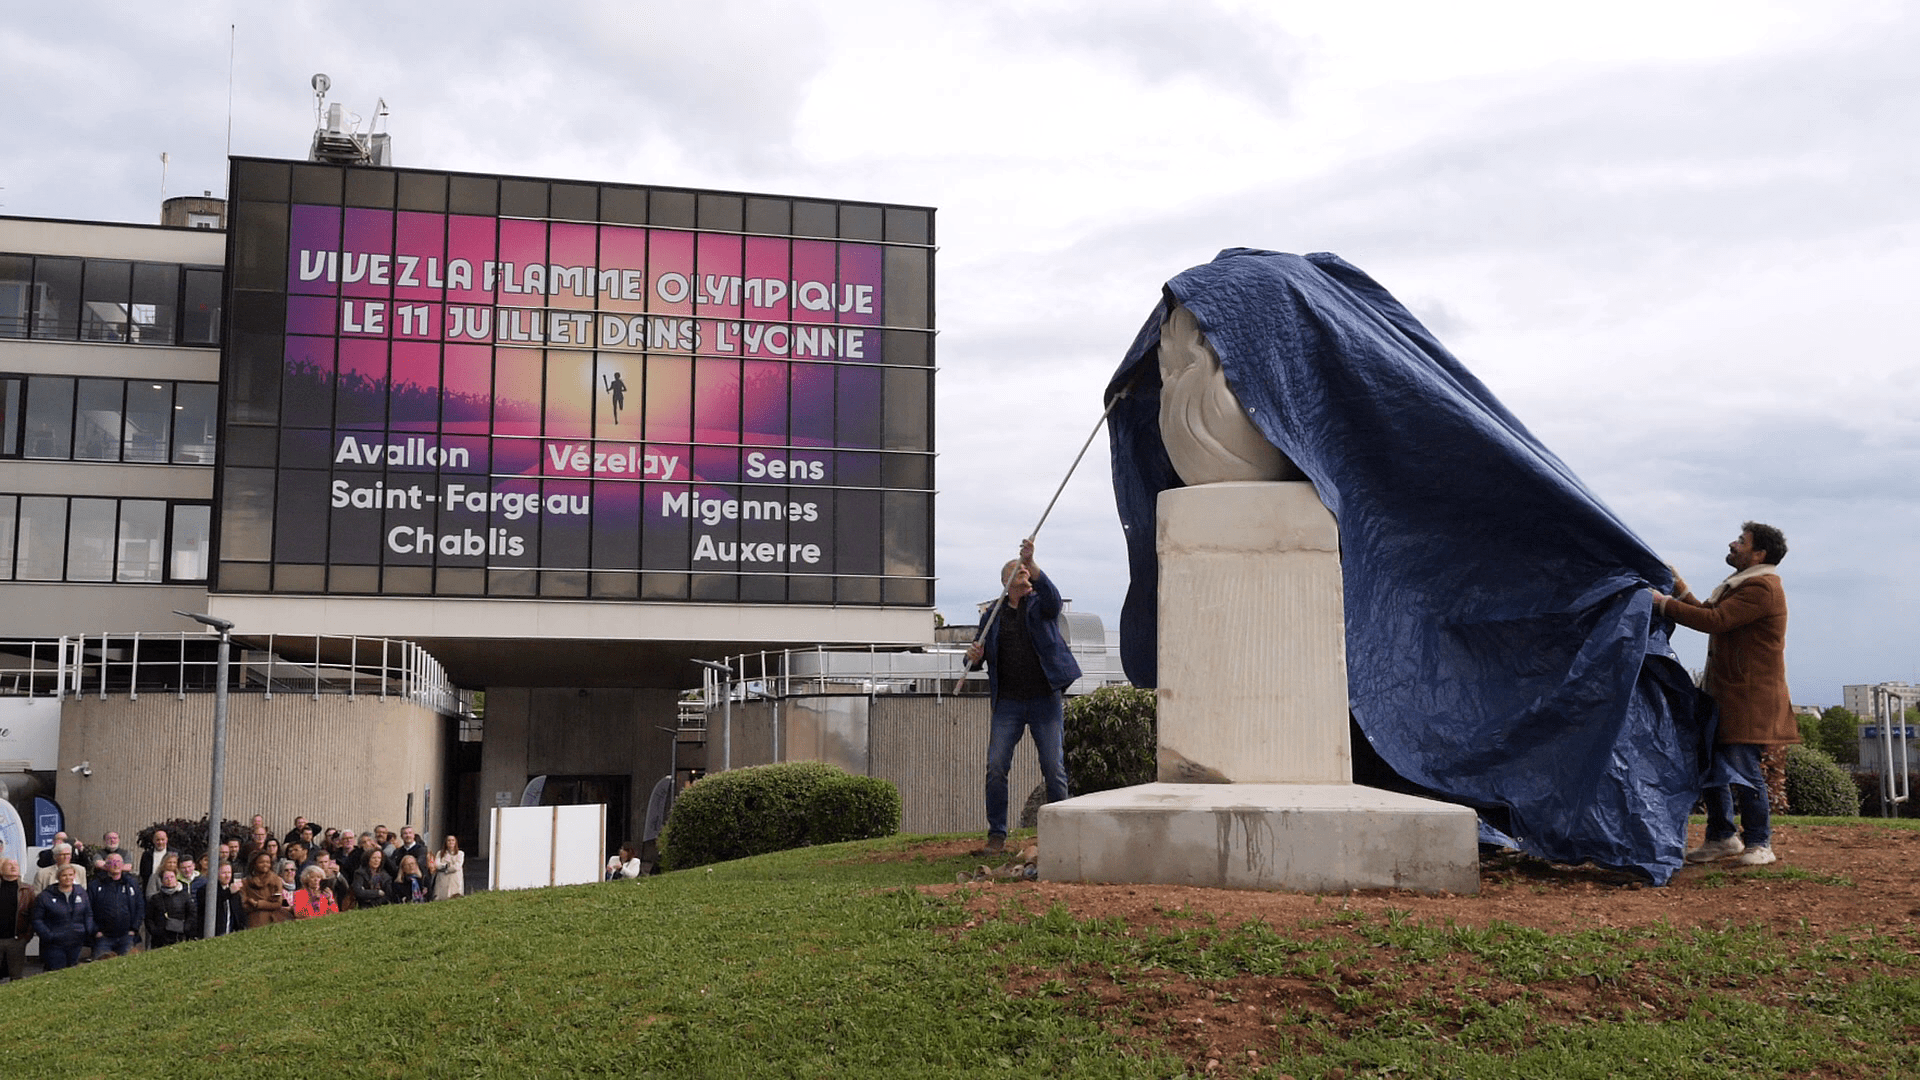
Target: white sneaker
{"points": [[1757, 855], [1719, 849]]}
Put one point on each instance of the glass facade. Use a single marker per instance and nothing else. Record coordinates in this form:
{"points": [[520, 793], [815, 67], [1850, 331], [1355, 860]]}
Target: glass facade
{"points": [[64, 418], [77, 538], [467, 385], [59, 298]]}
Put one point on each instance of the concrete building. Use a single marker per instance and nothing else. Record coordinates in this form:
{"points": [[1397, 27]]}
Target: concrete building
{"points": [[421, 434], [1863, 699]]}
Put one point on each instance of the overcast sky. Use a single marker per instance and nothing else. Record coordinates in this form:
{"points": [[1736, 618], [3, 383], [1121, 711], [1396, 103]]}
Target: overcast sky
{"points": [[1680, 240]]}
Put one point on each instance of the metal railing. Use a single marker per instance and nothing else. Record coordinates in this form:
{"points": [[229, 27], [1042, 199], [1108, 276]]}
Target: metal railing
{"points": [[839, 671], [180, 663], [1896, 783]]}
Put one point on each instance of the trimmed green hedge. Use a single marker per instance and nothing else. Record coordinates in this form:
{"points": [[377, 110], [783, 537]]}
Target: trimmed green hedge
{"points": [[766, 808], [1110, 739], [848, 807], [1818, 786]]}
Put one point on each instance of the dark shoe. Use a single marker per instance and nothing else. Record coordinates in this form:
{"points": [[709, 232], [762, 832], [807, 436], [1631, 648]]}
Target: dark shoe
{"points": [[996, 845]]}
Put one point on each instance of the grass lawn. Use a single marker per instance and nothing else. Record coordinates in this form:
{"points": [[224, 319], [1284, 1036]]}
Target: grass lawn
{"points": [[819, 963]]}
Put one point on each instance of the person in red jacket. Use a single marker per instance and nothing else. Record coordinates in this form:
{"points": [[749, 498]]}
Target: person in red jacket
{"points": [[1745, 619], [313, 899]]}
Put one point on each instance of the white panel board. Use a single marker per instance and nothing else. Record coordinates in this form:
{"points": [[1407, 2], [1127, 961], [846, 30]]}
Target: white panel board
{"points": [[30, 731], [580, 844], [522, 847], [537, 846]]}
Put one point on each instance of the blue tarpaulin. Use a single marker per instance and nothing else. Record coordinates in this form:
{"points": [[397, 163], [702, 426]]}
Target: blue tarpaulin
{"points": [[1502, 650]]}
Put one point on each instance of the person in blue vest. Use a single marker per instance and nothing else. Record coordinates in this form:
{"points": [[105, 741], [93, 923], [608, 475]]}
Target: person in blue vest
{"points": [[1029, 668], [119, 910]]}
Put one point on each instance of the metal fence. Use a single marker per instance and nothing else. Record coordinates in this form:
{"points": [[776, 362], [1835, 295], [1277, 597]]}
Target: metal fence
{"points": [[824, 671], [181, 663]]}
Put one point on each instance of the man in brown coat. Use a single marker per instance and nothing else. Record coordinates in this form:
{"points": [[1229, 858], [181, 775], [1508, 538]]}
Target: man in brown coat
{"points": [[1746, 620]]}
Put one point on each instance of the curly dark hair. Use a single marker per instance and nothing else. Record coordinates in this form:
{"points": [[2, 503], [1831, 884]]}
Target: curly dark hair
{"points": [[1767, 538]]}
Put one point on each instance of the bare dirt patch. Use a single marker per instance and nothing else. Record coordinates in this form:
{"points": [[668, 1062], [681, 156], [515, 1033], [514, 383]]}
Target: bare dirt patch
{"points": [[1829, 876], [1828, 880]]}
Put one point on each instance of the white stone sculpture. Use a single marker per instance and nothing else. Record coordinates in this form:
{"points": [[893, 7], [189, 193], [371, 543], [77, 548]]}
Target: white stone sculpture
{"points": [[1255, 766]]}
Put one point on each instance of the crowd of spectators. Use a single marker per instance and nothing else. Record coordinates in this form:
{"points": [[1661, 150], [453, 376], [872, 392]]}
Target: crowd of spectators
{"points": [[97, 900]]}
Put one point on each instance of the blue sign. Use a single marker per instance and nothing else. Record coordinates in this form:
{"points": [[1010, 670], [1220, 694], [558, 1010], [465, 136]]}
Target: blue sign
{"points": [[48, 819]]}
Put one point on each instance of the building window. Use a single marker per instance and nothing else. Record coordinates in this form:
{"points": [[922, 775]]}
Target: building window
{"points": [[193, 422], [10, 416], [56, 298], [135, 541], [135, 303], [149, 420], [90, 533], [40, 546], [16, 295], [200, 310], [9, 512], [49, 417], [143, 536], [192, 542], [96, 419], [60, 418]]}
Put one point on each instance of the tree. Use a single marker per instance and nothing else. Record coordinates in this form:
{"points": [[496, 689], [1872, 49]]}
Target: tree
{"points": [[1835, 732]]}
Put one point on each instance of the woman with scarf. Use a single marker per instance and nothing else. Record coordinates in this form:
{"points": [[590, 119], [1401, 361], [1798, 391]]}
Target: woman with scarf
{"points": [[171, 912], [410, 885]]}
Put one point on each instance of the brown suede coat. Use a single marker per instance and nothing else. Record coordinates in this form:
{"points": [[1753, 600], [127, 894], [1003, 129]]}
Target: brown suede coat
{"points": [[23, 917], [1746, 659]]}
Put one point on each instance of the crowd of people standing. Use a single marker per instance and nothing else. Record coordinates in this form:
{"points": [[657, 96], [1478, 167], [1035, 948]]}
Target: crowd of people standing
{"points": [[98, 900]]}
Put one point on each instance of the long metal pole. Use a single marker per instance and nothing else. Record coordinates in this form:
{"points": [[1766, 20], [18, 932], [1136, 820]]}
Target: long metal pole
{"points": [[726, 722], [994, 611], [214, 797]]}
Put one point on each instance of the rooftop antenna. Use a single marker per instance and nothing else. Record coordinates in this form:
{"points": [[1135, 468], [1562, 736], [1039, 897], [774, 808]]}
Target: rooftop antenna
{"points": [[233, 37], [163, 176]]}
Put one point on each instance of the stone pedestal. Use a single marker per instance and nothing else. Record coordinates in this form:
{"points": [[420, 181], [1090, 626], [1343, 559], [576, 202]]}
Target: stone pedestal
{"points": [[1253, 640], [1256, 773], [1299, 837]]}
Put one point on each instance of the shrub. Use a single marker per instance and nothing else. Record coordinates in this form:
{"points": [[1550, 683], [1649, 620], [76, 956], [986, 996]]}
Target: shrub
{"points": [[1110, 739], [1869, 785], [1818, 786], [189, 836], [848, 807], [765, 808], [1110, 742]]}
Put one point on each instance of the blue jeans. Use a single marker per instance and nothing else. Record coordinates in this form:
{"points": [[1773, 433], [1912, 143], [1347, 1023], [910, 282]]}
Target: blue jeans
{"points": [[112, 945], [55, 957], [1047, 719], [1738, 759]]}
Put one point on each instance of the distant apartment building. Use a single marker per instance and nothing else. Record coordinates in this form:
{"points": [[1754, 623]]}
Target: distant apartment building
{"points": [[1860, 699]]}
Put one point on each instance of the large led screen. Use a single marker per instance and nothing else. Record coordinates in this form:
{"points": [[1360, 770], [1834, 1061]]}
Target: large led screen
{"points": [[484, 386]]}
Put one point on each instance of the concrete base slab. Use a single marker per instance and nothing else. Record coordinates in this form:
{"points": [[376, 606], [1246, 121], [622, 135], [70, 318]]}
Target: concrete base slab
{"points": [[1298, 837]]}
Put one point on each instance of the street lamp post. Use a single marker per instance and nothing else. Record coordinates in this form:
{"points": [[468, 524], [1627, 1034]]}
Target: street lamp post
{"points": [[726, 710], [214, 810]]}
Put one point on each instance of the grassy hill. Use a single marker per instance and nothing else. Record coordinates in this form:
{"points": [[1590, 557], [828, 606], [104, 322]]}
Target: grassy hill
{"points": [[818, 963]]}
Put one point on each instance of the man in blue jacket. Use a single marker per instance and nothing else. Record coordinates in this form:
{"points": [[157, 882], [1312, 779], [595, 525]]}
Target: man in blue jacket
{"points": [[119, 909], [1029, 667]]}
